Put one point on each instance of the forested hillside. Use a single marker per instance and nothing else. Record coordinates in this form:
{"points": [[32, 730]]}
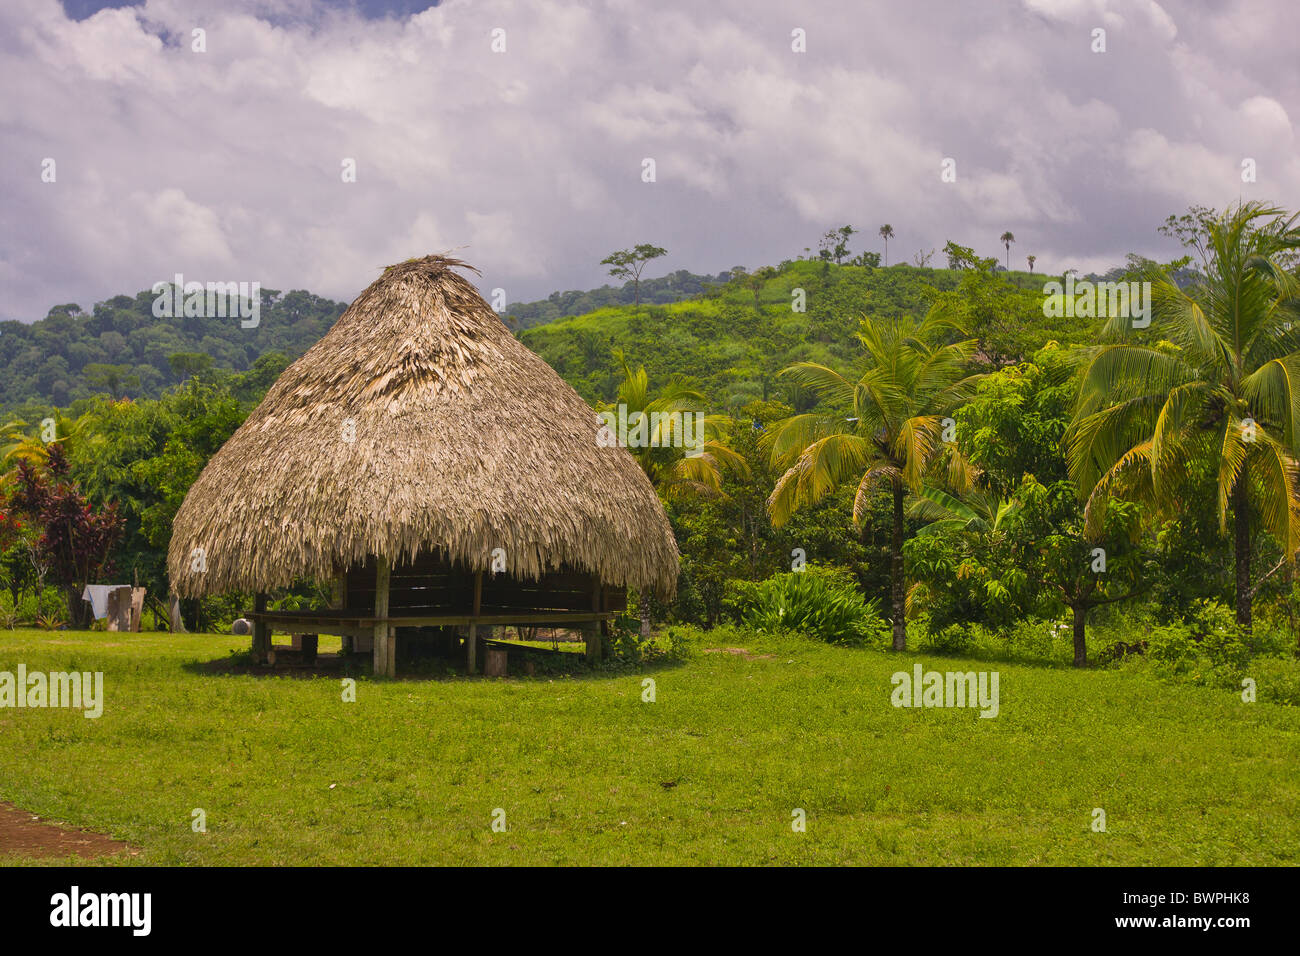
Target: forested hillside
{"points": [[121, 349], [670, 288], [731, 342]]}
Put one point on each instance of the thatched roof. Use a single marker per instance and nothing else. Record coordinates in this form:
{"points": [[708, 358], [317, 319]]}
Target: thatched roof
{"points": [[465, 441]]}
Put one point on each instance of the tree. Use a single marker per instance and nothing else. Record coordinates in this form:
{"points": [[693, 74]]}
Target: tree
{"points": [[627, 264], [755, 281], [76, 541], [962, 257], [963, 566], [16, 445], [1014, 423], [1031, 260], [111, 378], [1006, 319], [674, 469], [886, 232], [1223, 390], [189, 364], [150, 453], [834, 246], [886, 428], [1085, 569], [980, 511], [1006, 239]]}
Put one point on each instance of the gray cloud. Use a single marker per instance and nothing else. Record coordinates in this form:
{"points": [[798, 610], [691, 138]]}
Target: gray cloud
{"points": [[226, 164]]}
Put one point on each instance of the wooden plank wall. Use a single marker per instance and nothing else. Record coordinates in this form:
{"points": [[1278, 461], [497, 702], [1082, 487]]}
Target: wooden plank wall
{"points": [[432, 585]]}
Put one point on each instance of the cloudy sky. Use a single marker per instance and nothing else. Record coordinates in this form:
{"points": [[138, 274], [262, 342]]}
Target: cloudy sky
{"points": [[227, 163]]}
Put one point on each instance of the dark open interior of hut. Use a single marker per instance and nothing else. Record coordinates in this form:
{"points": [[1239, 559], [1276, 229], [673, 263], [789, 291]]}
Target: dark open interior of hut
{"points": [[431, 604], [432, 585]]}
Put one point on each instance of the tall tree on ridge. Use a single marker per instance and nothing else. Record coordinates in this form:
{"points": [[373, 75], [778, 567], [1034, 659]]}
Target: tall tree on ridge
{"points": [[1006, 239], [627, 264], [886, 233]]}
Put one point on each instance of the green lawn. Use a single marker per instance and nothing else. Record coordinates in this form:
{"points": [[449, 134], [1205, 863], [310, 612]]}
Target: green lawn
{"points": [[411, 773]]}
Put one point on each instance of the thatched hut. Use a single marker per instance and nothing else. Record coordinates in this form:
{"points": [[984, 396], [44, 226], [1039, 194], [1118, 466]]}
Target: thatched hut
{"points": [[439, 473]]}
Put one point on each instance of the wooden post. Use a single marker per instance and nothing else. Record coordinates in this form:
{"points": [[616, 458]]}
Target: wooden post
{"points": [[496, 662], [261, 632], [137, 607], [591, 631], [595, 646], [174, 619], [119, 609], [473, 627], [383, 665], [338, 602]]}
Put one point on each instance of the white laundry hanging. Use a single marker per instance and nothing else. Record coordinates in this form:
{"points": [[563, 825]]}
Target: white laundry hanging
{"points": [[97, 595]]}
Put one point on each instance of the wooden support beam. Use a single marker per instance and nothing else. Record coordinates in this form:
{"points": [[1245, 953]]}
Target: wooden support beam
{"points": [[495, 662], [261, 632], [383, 666], [593, 631], [339, 601], [473, 626]]}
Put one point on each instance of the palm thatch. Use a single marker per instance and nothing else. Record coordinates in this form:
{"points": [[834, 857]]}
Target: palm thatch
{"points": [[463, 441]]}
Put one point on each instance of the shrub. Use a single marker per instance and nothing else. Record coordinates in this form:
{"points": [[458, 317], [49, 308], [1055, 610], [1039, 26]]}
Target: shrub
{"points": [[1171, 648], [953, 639], [625, 642], [1206, 617], [1277, 679], [9, 614], [814, 602], [1035, 637], [682, 641]]}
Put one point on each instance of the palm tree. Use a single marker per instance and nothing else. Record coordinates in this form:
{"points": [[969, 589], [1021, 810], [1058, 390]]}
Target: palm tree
{"points": [[885, 428], [674, 470], [981, 512], [1225, 393], [17, 445], [1031, 260], [1006, 239], [886, 233]]}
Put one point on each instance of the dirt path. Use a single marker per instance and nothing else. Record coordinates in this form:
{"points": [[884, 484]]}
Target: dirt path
{"points": [[23, 834]]}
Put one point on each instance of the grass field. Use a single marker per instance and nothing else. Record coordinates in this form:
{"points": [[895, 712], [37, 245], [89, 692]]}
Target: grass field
{"points": [[588, 773]]}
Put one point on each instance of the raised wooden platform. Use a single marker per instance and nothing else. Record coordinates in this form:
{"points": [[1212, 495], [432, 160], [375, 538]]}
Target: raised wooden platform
{"points": [[349, 623], [354, 623]]}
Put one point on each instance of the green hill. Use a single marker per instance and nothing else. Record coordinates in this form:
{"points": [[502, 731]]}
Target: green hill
{"points": [[732, 341], [121, 348], [727, 334]]}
